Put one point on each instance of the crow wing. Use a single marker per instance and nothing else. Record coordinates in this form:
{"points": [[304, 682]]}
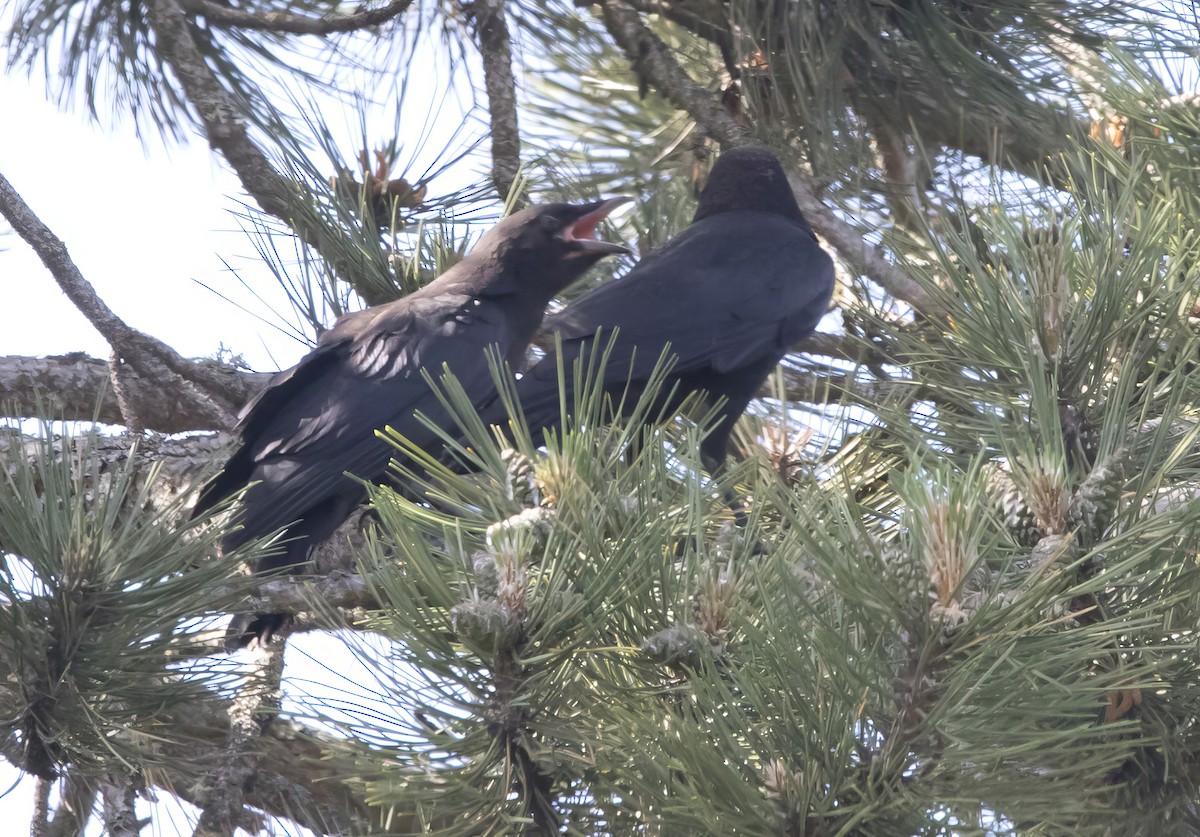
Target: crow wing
{"points": [[731, 290], [317, 421]]}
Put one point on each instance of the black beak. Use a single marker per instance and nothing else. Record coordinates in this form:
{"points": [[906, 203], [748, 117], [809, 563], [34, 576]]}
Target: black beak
{"points": [[582, 231]]}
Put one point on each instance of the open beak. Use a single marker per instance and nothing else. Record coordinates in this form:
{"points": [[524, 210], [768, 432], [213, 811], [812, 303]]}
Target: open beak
{"points": [[582, 231]]}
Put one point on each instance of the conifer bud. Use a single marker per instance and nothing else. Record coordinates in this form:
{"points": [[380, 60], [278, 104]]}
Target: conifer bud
{"points": [[519, 483], [714, 602], [524, 532], [1010, 502], [487, 575], [1061, 549], [1043, 485], [485, 623], [679, 645], [1095, 502]]}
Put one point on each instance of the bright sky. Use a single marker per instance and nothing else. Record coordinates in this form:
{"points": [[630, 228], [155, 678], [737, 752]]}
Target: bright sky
{"points": [[141, 226]]}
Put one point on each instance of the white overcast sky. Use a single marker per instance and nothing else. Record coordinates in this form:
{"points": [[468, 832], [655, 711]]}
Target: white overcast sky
{"points": [[140, 225]]}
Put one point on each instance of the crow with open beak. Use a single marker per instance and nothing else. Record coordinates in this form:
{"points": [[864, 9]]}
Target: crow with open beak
{"points": [[314, 424]]}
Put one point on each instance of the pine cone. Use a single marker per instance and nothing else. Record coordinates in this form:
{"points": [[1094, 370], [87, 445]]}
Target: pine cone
{"points": [[679, 645], [1012, 506], [519, 484], [1095, 502]]}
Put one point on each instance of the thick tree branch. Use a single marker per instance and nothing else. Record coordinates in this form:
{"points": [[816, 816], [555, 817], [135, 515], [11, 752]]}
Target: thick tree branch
{"points": [[295, 781], [495, 51], [39, 820], [708, 20], [226, 129], [120, 814], [833, 388], [653, 62], [151, 357], [872, 261], [228, 135], [120, 374], [900, 166], [295, 595], [835, 345], [227, 17], [74, 809], [257, 703], [76, 388]]}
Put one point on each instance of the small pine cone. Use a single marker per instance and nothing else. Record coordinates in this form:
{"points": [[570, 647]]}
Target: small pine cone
{"points": [[1062, 549], [485, 623], [1012, 506], [679, 645], [1095, 503], [906, 572], [487, 575], [527, 531], [519, 484]]}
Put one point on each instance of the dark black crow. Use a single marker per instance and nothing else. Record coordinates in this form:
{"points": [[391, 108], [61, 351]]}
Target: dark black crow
{"points": [[316, 422], [729, 295]]}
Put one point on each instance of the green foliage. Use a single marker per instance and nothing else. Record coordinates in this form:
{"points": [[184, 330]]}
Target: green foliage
{"points": [[586, 630], [106, 47], [100, 606]]}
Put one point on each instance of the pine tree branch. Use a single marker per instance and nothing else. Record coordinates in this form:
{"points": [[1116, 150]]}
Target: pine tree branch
{"points": [[256, 704], [706, 19], [225, 128], [74, 809], [119, 375], [830, 387], [76, 387], [850, 244], [120, 814], [39, 820], [227, 134], [295, 780], [900, 167], [654, 64], [830, 345], [222, 17], [495, 51], [948, 115], [151, 357], [343, 589]]}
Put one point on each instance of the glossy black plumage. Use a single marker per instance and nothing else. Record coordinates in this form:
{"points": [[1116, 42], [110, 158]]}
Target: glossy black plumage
{"points": [[316, 422], [730, 295]]}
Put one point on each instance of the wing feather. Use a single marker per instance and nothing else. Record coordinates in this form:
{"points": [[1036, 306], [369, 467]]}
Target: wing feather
{"points": [[317, 420], [727, 291]]}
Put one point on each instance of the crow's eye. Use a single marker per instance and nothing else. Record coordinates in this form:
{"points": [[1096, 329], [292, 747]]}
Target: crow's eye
{"points": [[550, 223]]}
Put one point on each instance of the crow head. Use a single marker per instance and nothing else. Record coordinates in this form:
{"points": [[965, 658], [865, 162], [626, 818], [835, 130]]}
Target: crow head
{"points": [[748, 178], [545, 248]]}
